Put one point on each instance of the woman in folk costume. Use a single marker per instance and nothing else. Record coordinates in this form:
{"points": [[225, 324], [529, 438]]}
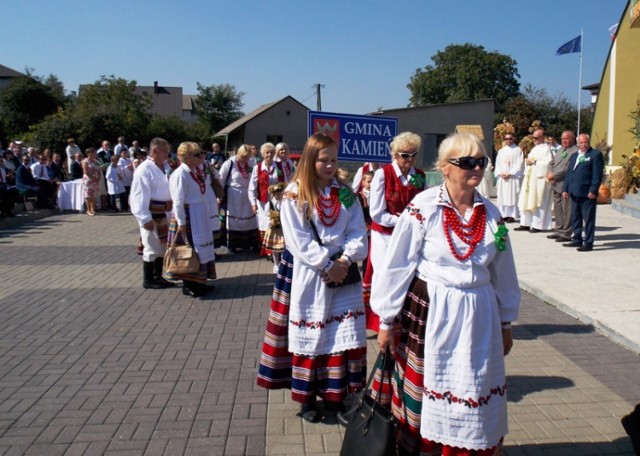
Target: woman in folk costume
{"points": [[274, 237], [191, 218], [265, 173], [450, 294], [282, 156], [241, 221], [392, 188], [315, 340]]}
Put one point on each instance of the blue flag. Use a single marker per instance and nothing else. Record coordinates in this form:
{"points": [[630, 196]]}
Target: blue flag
{"points": [[575, 45]]}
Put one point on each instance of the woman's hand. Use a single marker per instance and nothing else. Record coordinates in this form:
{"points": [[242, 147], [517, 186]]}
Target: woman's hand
{"points": [[182, 229], [254, 208], [337, 272], [385, 340], [507, 340]]}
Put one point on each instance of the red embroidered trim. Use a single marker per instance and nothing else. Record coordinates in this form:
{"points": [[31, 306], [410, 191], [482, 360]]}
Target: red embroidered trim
{"points": [[468, 402], [415, 212], [331, 319]]}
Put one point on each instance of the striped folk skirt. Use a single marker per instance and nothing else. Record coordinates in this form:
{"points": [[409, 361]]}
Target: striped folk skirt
{"points": [[329, 376]]}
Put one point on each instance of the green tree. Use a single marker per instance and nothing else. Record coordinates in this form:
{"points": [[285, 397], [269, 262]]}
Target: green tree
{"points": [[53, 131], [218, 105], [109, 108], [465, 72], [556, 112], [25, 102]]}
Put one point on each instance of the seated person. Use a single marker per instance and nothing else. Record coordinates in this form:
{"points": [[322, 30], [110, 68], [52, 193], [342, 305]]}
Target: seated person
{"points": [[41, 175], [8, 191], [27, 185]]}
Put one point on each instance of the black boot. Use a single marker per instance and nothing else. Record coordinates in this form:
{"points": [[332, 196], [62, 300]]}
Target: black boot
{"points": [[191, 288], [631, 424], [148, 280], [157, 274]]}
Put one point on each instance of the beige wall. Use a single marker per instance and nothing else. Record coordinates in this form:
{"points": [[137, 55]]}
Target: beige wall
{"points": [[626, 92]]}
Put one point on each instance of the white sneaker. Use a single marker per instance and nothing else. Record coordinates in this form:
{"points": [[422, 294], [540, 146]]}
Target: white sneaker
{"points": [[275, 269]]}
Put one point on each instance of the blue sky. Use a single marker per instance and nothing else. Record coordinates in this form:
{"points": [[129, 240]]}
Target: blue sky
{"points": [[364, 52]]}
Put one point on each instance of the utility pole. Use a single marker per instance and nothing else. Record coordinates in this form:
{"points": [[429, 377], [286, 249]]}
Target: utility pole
{"points": [[318, 97]]}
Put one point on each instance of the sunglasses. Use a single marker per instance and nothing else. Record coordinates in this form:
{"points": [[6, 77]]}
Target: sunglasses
{"points": [[508, 139], [469, 163], [407, 156]]}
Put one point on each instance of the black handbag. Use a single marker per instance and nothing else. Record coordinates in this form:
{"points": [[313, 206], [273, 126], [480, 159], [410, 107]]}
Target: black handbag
{"points": [[371, 430], [353, 272]]}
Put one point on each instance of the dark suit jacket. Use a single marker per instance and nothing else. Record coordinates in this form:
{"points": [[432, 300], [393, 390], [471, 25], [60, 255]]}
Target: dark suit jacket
{"points": [[24, 179], [76, 171], [587, 176]]}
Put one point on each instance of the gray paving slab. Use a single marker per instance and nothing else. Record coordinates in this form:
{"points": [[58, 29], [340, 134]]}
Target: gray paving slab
{"points": [[90, 363]]}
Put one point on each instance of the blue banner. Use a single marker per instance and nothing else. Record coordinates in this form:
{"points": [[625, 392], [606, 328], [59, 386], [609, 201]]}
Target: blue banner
{"points": [[359, 138], [575, 45]]}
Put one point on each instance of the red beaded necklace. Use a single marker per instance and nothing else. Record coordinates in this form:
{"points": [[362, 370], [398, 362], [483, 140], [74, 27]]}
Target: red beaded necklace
{"points": [[470, 233], [328, 208], [199, 180]]}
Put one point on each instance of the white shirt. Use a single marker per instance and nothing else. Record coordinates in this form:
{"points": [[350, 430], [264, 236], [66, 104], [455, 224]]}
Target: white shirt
{"points": [[149, 183], [377, 200]]}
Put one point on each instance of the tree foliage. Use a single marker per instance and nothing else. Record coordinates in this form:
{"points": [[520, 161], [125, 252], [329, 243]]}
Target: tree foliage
{"points": [[218, 105], [25, 102], [109, 108], [465, 72], [556, 113]]}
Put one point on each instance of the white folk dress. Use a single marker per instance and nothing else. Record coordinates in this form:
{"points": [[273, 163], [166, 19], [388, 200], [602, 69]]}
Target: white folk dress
{"points": [[464, 401], [240, 216], [185, 191], [509, 160], [535, 202], [323, 320]]}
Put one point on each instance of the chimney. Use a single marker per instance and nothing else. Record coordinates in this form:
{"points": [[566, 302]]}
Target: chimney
{"points": [[155, 87]]}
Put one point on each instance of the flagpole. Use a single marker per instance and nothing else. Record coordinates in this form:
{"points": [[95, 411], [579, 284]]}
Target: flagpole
{"points": [[580, 79]]}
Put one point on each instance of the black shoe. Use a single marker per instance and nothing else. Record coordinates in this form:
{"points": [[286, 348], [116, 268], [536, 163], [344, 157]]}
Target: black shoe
{"points": [[309, 412], [573, 244], [509, 220], [521, 228], [331, 410], [534, 230], [585, 248], [188, 291], [563, 239], [553, 236]]}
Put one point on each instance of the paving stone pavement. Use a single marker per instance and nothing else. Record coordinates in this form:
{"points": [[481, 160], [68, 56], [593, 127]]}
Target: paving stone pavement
{"points": [[91, 363]]}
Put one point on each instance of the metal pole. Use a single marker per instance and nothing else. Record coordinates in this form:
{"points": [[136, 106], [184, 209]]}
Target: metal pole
{"points": [[580, 80]]}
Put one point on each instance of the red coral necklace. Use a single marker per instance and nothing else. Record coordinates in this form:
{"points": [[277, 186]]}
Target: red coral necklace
{"points": [[328, 208], [470, 233], [200, 180], [244, 169]]}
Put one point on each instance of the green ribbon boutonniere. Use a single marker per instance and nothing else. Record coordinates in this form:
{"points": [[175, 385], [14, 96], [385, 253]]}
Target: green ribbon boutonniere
{"points": [[417, 181], [278, 172], [346, 197], [500, 237], [581, 159], [250, 169], [564, 154]]}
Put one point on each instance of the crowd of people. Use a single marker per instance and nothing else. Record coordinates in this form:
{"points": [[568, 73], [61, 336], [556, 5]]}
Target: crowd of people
{"points": [[439, 284], [552, 180], [106, 174]]}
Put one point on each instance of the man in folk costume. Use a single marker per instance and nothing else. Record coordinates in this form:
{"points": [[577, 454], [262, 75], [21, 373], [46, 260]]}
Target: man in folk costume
{"points": [[508, 172], [265, 173], [392, 189], [535, 194], [150, 202], [356, 185]]}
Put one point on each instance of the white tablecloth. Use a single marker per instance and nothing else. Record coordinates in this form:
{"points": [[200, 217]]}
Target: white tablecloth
{"points": [[70, 196]]}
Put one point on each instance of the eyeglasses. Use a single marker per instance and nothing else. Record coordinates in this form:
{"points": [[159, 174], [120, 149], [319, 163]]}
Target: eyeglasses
{"points": [[198, 154], [469, 163], [537, 137], [508, 139], [407, 156]]}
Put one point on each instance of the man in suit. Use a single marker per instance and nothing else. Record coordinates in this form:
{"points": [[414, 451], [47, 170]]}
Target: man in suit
{"points": [[8, 192], [556, 174], [76, 167], [25, 183], [581, 184]]}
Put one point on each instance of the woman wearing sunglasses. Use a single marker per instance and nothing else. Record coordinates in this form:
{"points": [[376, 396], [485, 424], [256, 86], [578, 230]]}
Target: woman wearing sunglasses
{"points": [[449, 294], [392, 188]]}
